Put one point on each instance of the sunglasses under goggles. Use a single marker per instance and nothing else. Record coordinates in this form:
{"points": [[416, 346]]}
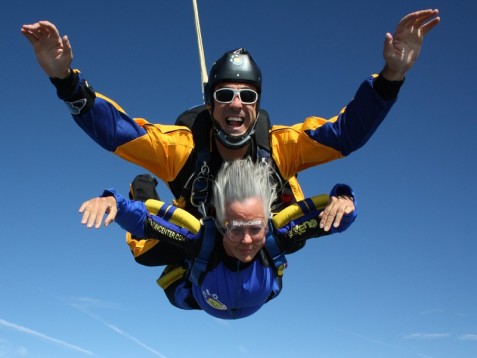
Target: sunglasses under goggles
{"points": [[227, 95]]}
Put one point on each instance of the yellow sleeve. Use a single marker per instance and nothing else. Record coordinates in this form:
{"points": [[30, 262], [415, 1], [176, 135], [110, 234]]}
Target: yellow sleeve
{"points": [[293, 150], [163, 150]]}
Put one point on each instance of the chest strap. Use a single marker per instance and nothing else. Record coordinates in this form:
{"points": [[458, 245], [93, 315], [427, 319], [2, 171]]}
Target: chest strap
{"points": [[275, 252], [199, 266]]}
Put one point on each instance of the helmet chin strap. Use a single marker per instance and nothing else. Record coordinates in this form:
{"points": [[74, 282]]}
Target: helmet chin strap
{"points": [[234, 142]]}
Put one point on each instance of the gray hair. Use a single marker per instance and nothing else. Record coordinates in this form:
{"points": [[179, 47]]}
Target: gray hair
{"points": [[242, 179]]}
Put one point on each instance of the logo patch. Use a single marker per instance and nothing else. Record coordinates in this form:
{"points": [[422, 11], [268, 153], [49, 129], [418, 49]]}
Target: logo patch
{"points": [[301, 229], [236, 60], [75, 107], [213, 300]]}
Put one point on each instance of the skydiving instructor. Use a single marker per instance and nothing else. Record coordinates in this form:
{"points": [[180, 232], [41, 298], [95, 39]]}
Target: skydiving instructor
{"points": [[233, 105]]}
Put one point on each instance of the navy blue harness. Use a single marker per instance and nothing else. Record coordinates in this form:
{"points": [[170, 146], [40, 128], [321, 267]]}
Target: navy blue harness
{"points": [[199, 265]]}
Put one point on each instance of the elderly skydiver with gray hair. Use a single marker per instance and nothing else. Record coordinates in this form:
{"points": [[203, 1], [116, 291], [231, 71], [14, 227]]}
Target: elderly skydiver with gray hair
{"points": [[235, 261]]}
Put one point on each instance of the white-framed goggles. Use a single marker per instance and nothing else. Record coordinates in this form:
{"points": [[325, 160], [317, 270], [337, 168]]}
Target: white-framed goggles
{"points": [[227, 95]]}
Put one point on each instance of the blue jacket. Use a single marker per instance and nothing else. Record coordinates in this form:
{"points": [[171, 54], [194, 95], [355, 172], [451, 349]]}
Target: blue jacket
{"points": [[230, 289]]}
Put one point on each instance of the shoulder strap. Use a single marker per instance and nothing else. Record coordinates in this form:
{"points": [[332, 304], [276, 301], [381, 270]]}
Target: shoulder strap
{"points": [[275, 252], [262, 137], [199, 265], [198, 120], [200, 187], [196, 180], [278, 257]]}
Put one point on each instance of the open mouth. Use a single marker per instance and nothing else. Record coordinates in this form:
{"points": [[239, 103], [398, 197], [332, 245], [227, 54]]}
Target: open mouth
{"points": [[234, 122]]}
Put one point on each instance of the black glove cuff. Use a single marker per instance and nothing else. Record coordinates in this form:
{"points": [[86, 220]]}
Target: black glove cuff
{"points": [[65, 87], [78, 100], [387, 90]]}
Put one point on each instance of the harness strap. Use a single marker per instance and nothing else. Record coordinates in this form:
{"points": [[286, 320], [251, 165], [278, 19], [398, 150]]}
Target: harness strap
{"points": [[200, 186], [199, 266], [275, 252], [284, 190], [172, 273]]}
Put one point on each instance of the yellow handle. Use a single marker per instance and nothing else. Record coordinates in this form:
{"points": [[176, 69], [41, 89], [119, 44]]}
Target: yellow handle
{"points": [[294, 211]]}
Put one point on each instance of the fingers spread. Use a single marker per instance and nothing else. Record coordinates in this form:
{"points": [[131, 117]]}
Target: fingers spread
{"points": [[94, 210]]}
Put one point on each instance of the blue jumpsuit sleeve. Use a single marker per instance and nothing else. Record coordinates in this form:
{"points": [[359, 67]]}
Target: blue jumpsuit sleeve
{"points": [[306, 226], [356, 123], [131, 214], [100, 117], [108, 126], [134, 217]]}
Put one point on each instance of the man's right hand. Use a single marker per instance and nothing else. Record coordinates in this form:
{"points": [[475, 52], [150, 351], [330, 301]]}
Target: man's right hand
{"points": [[53, 52]]}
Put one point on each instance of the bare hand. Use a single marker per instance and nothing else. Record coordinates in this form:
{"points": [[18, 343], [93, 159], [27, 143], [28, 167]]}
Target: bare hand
{"points": [[94, 210], [54, 53], [334, 211], [402, 49]]}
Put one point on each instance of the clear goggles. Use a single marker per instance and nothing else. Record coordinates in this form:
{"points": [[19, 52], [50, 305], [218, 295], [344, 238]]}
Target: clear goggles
{"points": [[235, 230]]}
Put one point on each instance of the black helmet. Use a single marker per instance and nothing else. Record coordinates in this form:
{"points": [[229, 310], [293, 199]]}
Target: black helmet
{"points": [[234, 66]]}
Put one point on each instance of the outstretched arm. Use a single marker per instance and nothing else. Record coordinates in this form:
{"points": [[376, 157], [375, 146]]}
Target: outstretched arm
{"points": [[317, 216], [129, 214], [53, 52], [402, 49], [153, 219], [158, 234]]}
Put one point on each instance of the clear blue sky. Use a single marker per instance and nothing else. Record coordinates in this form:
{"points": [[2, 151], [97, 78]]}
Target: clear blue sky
{"points": [[400, 283]]}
